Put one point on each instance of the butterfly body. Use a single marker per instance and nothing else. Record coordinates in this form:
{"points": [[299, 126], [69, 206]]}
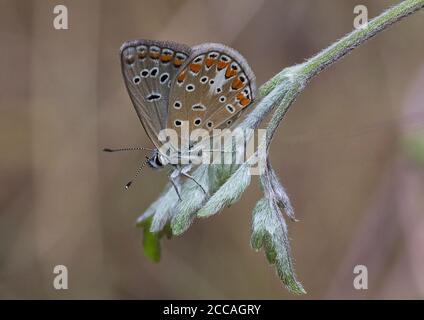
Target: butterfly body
{"points": [[172, 86]]}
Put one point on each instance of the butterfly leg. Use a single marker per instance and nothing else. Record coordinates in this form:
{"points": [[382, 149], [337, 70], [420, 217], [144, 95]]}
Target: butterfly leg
{"points": [[184, 172], [175, 182]]}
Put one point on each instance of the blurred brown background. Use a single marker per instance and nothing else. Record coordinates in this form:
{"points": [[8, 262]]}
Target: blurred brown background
{"points": [[348, 153]]}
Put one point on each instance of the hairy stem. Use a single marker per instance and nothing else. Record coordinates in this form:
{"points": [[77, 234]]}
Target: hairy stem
{"points": [[352, 40], [281, 90]]}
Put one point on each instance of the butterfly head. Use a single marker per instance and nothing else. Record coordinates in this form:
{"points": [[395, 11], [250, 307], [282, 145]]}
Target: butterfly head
{"points": [[157, 161]]}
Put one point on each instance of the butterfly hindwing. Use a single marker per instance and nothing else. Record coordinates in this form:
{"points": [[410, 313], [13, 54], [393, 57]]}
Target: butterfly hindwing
{"points": [[213, 88], [149, 68]]}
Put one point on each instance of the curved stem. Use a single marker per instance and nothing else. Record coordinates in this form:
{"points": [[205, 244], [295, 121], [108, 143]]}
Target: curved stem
{"points": [[281, 90], [352, 40]]}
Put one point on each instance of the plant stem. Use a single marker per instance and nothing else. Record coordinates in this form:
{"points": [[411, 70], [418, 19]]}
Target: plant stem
{"points": [[352, 40], [283, 88]]}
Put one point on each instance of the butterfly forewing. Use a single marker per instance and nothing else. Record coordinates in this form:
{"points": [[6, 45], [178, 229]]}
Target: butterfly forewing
{"points": [[149, 68], [213, 88]]}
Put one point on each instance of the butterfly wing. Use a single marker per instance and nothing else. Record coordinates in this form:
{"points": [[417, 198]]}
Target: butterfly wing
{"points": [[149, 68], [213, 88]]}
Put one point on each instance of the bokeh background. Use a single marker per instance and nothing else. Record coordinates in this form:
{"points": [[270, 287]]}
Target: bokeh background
{"points": [[350, 153]]}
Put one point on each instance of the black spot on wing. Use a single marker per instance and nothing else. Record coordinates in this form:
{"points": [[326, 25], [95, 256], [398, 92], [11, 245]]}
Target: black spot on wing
{"points": [[153, 97]]}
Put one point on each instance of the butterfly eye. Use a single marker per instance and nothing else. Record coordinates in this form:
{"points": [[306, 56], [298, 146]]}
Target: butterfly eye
{"points": [[144, 73], [230, 108], [136, 80], [177, 123], [213, 55], [209, 124], [190, 87], [229, 122], [242, 79], [212, 81], [204, 79], [222, 99], [197, 122], [177, 105], [218, 90]]}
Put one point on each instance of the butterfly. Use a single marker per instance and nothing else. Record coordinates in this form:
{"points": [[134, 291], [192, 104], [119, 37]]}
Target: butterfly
{"points": [[208, 86]]}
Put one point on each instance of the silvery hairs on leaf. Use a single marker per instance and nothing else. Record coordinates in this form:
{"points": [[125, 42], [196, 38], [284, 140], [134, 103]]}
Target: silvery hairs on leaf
{"points": [[269, 231], [161, 211], [228, 193], [273, 189], [192, 199]]}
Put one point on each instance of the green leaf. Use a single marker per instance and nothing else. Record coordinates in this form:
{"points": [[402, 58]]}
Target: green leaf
{"points": [[151, 240], [228, 193], [269, 231]]}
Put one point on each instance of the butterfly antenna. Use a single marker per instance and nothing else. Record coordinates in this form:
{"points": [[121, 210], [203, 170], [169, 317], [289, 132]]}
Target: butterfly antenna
{"points": [[126, 149], [140, 168]]}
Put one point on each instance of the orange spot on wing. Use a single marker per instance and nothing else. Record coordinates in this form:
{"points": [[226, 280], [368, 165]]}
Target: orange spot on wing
{"points": [[245, 102], [222, 65], [142, 55], [209, 62], [240, 96], [181, 77], [236, 84], [165, 57], [230, 72], [195, 67], [178, 62]]}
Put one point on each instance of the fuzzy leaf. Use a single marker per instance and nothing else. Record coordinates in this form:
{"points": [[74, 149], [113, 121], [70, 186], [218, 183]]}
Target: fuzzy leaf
{"points": [[269, 231], [273, 189], [193, 198], [228, 193], [219, 173], [161, 211]]}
